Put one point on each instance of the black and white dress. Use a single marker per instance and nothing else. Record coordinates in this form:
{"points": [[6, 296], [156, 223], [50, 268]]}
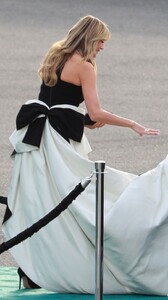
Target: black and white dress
{"points": [[50, 160]]}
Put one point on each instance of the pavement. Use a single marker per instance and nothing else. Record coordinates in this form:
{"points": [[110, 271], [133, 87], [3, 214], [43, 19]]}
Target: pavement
{"points": [[132, 75]]}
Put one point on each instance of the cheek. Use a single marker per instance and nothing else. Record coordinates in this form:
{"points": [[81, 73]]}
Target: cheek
{"points": [[98, 46], [101, 45]]}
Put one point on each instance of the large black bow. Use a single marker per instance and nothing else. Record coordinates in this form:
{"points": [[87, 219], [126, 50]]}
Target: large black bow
{"points": [[67, 122]]}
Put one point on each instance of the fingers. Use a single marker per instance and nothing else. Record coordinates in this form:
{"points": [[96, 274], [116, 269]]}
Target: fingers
{"points": [[145, 131], [149, 131], [98, 125]]}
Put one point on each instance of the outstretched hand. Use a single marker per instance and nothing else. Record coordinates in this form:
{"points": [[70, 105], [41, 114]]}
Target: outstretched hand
{"points": [[141, 130]]}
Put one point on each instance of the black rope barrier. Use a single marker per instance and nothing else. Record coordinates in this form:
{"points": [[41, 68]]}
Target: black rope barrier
{"points": [[3, 200], [47, 218]]}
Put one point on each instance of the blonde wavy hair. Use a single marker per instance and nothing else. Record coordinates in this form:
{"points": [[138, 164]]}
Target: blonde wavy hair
{"points": [[82, 37]]}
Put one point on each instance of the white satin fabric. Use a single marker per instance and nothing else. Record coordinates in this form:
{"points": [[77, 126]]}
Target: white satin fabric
{"points": [[61, 256]]}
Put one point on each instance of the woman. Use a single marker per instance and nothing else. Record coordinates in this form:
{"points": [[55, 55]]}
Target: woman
{"points": [[51, 158]]}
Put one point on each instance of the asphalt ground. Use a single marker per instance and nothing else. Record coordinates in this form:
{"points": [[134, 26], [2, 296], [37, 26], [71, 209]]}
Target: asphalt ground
{"points": [[132, 75]]}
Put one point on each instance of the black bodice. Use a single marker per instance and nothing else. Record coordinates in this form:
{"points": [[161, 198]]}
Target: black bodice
{"points": [[62, 93]]}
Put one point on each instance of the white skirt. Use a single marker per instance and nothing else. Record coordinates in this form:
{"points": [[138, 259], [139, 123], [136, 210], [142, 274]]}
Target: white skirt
{"points": [[61, 256]]}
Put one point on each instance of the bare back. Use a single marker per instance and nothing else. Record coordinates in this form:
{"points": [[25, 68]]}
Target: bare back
{"points": [[70, 72]]}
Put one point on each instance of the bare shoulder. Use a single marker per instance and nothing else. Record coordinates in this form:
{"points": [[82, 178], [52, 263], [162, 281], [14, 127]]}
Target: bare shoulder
{"points": [[86, 66], [86, 70]]}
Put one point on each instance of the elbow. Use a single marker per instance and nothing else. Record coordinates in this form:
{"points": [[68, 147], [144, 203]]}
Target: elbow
{"points": [[94, 116]]}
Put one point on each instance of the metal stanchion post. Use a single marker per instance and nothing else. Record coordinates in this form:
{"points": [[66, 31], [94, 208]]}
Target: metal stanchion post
{"points": [[99, 166]]}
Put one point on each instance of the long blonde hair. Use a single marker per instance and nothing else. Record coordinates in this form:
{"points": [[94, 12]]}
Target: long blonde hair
{"points": [[82, 37]]}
